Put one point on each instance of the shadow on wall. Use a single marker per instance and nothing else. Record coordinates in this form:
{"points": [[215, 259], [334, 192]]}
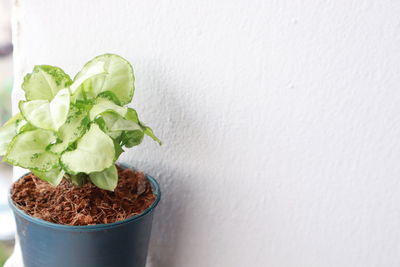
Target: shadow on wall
{"points": [[168, 220], [181, 133]]}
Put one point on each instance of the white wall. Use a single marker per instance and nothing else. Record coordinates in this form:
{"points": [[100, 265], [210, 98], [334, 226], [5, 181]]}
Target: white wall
{"points": [[281, 121]]}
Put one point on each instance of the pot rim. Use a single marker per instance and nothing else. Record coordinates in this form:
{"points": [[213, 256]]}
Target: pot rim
{"points": [[156, 191]]}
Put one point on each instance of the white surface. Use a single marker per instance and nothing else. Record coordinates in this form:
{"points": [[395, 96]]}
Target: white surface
{"points": [[281, 121], [5, 22], [16, 259], [7, 224]]}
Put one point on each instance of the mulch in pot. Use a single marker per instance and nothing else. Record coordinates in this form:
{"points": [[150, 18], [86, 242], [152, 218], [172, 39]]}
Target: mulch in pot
{"points": [[85, 205]]}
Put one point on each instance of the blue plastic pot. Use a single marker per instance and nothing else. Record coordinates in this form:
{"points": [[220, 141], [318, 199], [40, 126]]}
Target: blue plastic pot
{"points": [[120, 244]]}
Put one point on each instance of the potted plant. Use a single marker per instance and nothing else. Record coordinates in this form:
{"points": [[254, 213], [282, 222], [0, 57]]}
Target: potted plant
{"points": [[76, 207]]}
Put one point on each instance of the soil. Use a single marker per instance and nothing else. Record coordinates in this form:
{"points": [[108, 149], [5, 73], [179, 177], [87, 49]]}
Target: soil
{"points": [[85, 205]]}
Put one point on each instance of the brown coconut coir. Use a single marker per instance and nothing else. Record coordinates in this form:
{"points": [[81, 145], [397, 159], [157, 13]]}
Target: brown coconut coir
{"points": [[85, 205]]}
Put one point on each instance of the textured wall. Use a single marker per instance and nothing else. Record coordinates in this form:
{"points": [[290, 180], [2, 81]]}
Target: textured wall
{"points": [[281, 121]]}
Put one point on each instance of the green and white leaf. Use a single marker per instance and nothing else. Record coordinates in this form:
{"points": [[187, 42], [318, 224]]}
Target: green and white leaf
{"points": [[149, 132], [107, 179], [119, 78], [53, 176], [24, 126], [104, 105], [94, 70], [116, 126], [45, 82], [118, 149], [28, 150], [110, 96], [132, 138], [133, 116], [78, 180], [16, 119], [114, 135], [8, 131], [76, 125], [94, 153], [115, 122], [48, 115]]}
